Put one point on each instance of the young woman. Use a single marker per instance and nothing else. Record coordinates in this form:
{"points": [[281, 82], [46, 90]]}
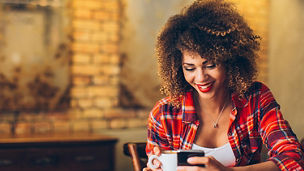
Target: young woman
{"points": [[207, 63]]}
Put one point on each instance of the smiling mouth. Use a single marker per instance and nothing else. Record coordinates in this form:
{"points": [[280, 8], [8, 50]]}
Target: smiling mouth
{"points": [[205, 87]]}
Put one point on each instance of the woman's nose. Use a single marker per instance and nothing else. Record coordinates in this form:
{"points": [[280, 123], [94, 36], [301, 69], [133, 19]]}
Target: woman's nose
{"points": [[201, 75]]}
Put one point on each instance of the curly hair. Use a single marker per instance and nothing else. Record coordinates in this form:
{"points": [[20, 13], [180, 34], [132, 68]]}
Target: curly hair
{"points": [[216, 31]]}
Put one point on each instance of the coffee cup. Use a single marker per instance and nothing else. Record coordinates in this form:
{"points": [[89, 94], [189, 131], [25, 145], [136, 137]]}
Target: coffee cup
{"points": [[170, 159]]}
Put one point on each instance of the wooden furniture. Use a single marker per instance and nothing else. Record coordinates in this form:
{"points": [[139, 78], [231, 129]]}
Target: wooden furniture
{"points": [[137, 153], [54, 152]]}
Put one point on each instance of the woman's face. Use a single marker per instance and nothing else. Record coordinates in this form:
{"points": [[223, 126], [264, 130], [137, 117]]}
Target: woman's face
{"points": [[207, 78]]}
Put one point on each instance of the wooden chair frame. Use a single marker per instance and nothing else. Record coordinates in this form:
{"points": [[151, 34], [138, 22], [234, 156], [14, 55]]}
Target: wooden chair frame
{"points": [[136, 150]]}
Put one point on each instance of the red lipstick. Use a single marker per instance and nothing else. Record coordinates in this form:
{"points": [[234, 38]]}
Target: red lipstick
{"points": [[205, 87]]}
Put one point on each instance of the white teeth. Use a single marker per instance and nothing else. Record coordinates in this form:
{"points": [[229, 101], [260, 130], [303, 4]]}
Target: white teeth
{"points": [[205, 86]]}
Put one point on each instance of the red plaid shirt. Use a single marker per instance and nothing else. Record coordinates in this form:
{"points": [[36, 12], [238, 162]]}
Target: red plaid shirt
{"points": [[254, 119]]}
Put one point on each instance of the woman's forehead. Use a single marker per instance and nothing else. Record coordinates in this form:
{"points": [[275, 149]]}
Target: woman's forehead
{"points": [[188, 53], [190, 59], [192, 55]]}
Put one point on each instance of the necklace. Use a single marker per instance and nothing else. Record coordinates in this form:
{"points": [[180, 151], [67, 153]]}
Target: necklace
{"points": [[215, 124]]}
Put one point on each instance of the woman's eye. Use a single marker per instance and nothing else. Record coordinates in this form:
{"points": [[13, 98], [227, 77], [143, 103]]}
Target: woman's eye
{"points": [[189, 69], [210, 66]]}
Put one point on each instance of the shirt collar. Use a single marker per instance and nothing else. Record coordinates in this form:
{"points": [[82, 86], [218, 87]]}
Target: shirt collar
{"points": [[238, 102], [189, 112], [188, 108]]}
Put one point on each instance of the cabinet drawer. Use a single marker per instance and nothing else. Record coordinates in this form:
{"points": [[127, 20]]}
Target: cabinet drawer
{"points": [[76, 158], [89, 158], [11, 158]]}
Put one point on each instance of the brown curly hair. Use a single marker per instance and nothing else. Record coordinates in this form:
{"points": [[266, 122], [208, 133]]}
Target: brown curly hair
{"points": [[216, 31]]}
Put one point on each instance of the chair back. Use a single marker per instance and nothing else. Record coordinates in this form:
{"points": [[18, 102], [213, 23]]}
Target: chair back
{"points": [[137, 152]]}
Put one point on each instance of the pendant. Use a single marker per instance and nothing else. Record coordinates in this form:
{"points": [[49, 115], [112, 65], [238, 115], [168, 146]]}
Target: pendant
{"points": [[215, 125]]}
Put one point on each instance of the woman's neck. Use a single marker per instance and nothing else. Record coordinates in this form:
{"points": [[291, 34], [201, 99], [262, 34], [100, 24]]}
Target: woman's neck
{"points": [[212, 105]]}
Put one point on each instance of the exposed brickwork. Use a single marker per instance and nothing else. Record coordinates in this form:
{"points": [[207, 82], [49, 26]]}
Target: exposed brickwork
{"points": [[5, 128], [62, 126], [24, 127], [95, 70], [98, 125], [42, 127]]}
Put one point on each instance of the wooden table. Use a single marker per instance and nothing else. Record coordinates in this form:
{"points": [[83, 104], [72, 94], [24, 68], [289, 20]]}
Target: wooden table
{"points": [[58, 152]]}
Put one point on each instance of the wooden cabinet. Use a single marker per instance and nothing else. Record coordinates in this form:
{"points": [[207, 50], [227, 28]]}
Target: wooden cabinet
{"points": [[75, 152]]}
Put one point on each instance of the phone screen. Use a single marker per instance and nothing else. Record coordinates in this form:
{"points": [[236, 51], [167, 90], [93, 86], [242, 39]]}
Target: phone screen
{"points": [[183, 155]]}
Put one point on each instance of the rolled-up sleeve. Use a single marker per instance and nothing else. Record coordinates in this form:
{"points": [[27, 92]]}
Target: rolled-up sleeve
{"points": [[283, 146], [156, 135]]}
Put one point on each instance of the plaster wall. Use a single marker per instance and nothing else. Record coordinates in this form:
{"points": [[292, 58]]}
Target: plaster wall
{"points": [[286, 59], [142, 22], [123, 162]]}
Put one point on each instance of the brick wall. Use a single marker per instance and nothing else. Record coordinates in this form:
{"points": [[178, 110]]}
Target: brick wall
{"points": [[95, 71], [95, 68]]}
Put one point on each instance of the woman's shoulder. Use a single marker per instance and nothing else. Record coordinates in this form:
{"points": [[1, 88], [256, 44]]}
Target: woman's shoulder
{"points": [[257, 87], [260, 92], [164, 102], [165, 105]]}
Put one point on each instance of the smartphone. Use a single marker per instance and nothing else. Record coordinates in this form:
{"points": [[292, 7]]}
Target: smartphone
{"points": [[183, 155]]}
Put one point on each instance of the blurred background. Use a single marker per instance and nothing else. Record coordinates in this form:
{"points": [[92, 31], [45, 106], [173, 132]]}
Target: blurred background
{"points": [[89, 65]]}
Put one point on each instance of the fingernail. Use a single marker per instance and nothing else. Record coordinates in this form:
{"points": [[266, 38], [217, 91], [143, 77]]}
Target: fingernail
{"points": [[189, 159], [157, 163]]}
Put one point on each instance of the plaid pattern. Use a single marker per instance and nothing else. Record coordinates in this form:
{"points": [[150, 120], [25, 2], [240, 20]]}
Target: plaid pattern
{"points": [[254, 119]]}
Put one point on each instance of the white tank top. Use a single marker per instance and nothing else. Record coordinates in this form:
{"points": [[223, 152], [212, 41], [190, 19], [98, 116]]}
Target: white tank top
{"points": [[223, 154]]}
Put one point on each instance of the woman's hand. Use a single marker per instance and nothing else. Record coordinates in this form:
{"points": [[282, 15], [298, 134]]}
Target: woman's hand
{"points": [[211, 164], [156, 151]]}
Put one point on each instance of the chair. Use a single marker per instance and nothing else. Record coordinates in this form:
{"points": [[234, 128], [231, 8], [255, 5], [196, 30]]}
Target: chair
{"points": [[136, 150]]}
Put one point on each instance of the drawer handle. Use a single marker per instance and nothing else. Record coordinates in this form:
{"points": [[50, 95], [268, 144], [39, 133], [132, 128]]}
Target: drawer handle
{"points": [[84, 158], [45, 161], [5, 162]]}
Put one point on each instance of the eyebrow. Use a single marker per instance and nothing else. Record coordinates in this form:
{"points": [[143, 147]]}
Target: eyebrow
{"points": [[204, 63], [187, 64]]}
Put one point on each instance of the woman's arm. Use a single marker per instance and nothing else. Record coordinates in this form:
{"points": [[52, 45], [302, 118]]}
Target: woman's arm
{"points": [[265, 166], [156, 136], [283, 147], [213, 165]]}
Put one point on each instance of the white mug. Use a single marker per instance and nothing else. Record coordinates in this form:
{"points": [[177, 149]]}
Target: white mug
{"points": [[171, 159], [168, 160]]}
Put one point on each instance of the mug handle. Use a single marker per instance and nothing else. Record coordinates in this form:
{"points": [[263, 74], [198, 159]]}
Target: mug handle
{"points": [[150, 164]]}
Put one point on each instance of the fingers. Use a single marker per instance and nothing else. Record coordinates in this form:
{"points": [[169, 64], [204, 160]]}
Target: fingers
{"points": [[195, 161], [190, 168], [146, 169], [201, 160], [149, 169], [210, 163], [156, 151], [207, 161], [156, 163]]}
